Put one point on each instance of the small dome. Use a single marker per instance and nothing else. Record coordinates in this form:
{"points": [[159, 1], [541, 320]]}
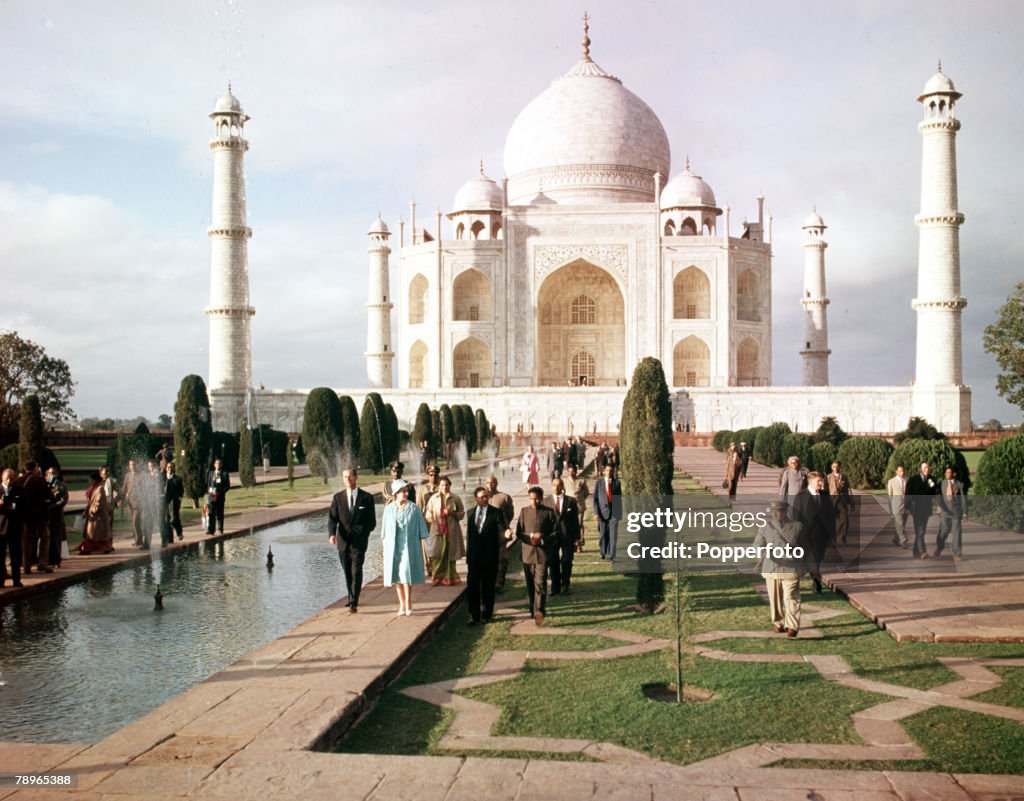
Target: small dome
{"points": [[378, 227], [480, 194], [687, 190], [228, 103], [939, 84], [814, 221]]}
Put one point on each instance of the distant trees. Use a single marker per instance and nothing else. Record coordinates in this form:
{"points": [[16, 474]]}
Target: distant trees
{"points": [[30, 431], [918, 428], [1004, 339], [193, 436], [26, 369]]}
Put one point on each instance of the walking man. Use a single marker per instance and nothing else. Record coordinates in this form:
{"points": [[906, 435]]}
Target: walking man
{"points": [[35, 520], [897, 490], [174, 491], [952, 511], [792, 480], [351, 519], [839, 492], [813, 508], [485, 535], [536, 531], [502, 503], [782, 574], [920, 489], [567, 536], [608, 510]]}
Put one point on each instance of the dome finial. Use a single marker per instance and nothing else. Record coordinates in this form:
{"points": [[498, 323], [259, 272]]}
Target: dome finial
{"points": [[229, 87], [687, 162], [586, 36], [481, 166], [940, 65]]}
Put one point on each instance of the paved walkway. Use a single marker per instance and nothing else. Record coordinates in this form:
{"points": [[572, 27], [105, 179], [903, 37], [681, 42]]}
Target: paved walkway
{"points": [[981, 599], [246, 732]]}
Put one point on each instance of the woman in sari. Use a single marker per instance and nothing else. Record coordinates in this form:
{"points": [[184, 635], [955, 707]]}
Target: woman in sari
{"points": [[530, 468], [444, 511], [98, 535], [402, 532]]}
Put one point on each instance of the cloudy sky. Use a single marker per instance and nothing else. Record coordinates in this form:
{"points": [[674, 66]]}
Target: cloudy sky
{"points": [[105, 171]]}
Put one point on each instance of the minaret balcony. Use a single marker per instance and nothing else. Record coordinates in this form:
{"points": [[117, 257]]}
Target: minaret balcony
{"points": [[230, 232], [939, 219]]}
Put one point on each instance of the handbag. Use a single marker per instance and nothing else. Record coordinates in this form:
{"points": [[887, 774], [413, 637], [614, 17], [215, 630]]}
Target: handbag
{"points": [[725, 484], [78, 525]]}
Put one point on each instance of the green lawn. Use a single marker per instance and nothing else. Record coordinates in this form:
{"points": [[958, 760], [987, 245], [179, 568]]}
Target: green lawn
{"points": [[755, 702]]}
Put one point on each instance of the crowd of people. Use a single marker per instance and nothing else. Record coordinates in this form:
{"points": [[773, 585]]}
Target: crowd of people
{"points": [[33, 531], [427, 529], [813, 512]]}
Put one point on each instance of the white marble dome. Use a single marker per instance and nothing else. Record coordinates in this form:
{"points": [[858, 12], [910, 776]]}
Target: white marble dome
{"points": [[814, 220], [228, 103], [687, 190], [378, 226], [479, 193], [586, 139]]}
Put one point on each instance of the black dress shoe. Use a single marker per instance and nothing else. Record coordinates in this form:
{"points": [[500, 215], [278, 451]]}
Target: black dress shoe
{"points": [[17, 584], [471, 622], [817, 586]]}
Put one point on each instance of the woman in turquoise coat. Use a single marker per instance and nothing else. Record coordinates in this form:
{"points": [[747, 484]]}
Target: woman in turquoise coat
{"points": [[403, 531]]}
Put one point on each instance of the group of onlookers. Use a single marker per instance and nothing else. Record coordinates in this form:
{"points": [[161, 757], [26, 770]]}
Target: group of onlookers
{"points": [[31, 521]]}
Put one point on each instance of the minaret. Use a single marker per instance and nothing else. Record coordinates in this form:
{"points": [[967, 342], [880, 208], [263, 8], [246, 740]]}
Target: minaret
{"points": [[939, 303], [815, 353], [378, 308], [229, 310]]}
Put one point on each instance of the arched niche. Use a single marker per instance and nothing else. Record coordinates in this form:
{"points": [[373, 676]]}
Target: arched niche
{"points": [[691, 363], [471, 296], [691, 295], [418, 299], [472, 365]]}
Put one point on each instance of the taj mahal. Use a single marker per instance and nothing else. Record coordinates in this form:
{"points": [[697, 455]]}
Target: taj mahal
{"points": [[536, 295]]}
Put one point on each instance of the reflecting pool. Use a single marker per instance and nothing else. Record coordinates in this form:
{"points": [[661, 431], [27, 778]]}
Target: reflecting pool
{"points": [[80, 663]]}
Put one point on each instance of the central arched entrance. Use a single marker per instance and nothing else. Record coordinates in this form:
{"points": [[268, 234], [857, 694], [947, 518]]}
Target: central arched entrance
{"points": [[581, 329]]}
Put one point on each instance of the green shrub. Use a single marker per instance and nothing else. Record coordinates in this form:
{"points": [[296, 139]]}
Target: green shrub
{"points": [[999, 485], [246, 456], [918, 428], [30, 431], [829, 431], [322, 432], [768, 448], [937, 452], [720, 442], [798, 445], [422, 430], [864, 461], [483, 430], [374, 450], [225, 448], [822, 456], [349, 442], [193, 436]]}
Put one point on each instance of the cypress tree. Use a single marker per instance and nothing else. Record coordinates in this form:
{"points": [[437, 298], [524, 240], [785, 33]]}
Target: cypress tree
{"points": [[349, 442], [647, 465], [472, 440], [421, 430], [193, 436], [30, 431], [322, 432], [483, 430], [246, 461], [392, 437], [447, 431], [459, 423], [435, 433], [372, 450]]}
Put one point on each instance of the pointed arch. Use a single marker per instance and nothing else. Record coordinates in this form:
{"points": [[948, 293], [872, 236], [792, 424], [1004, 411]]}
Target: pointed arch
{"points": [[476, 228], [418, 299], [748, 296], [691, 363], [691, 295], [418, 364], [471, 361], [670, 228], [688, 227], [471, 296], [748, 364], [460, 231]]}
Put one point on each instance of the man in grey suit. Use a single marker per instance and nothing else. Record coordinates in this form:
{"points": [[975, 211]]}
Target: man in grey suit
{"points": [[536, 530], [897, 490], [952, 511], [792, 480]]}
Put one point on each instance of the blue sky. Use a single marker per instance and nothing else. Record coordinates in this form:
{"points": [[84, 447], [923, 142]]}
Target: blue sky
{"points": [[105, 172]]}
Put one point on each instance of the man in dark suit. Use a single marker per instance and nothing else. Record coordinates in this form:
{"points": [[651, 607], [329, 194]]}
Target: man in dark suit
{"points": [[501, 501], [485, 535], [35, 520], [813, 508], [568, 534], [536, 531], [351, 519], [173, 492], [920, 489], [608, 510], [218, 482], [952, 511], [10, 527]]}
